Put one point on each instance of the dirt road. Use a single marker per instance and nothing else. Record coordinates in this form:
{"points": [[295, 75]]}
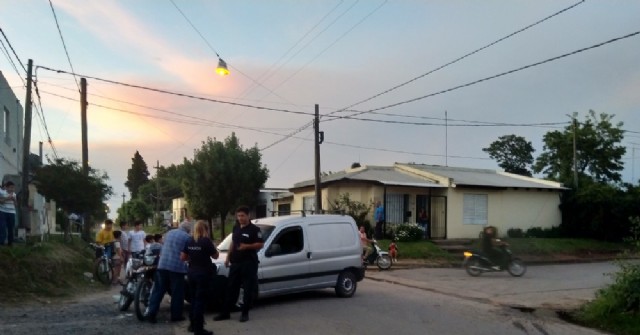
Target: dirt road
{"points": [[87, 315]]}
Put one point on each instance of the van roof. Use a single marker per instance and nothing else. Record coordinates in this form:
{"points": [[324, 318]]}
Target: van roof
{"points": [[280, 220]]}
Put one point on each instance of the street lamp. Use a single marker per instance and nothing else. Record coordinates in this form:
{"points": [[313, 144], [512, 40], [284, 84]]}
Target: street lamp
{"points": [[222, 68]]}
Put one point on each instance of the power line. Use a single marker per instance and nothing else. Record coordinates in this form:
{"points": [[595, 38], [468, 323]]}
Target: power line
{"points": [[467, 55], [438, 68], [44, 122], [269, 73], [13, 50], [503, 73], [332, 43], [13, 64], [184, 95], [64, 45]]}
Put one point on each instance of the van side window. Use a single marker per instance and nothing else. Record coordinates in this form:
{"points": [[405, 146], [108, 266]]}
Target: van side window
{"points": [[289, 241]]}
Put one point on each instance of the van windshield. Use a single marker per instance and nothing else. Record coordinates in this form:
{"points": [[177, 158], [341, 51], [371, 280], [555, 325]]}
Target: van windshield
{"points": [[265, 229]]}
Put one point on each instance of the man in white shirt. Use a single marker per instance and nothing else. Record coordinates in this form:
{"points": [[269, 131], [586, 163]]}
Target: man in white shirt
{"points": [[7, 212], [136, 238]]}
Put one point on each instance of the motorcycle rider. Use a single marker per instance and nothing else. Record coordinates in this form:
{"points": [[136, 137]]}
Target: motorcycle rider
{"points": [[365, 242], [492, 247]]}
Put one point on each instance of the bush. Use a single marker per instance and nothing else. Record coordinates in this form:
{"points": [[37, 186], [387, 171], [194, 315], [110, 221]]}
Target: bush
{"points": [[623, 296], [540, 232], [407, 232], [515, 233]]}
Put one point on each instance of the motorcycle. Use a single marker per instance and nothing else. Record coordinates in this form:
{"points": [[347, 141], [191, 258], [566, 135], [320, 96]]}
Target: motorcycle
{"points": [[142, 294], [378, 257], [476, 263], [133, 273]]}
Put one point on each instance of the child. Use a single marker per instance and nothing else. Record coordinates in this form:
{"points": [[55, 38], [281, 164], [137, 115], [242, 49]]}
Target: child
{"points": [[393, 251], [117, 257]]}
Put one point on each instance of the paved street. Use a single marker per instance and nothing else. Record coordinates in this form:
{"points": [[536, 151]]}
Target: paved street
{"points": [[561, 286], [412, 301]]}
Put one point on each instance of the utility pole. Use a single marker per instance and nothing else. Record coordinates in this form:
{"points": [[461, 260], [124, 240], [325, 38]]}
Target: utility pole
{"points": [[575, 155], [157, 167], [88, 222], [319, 137], [446, 139], [123, 199], [26, 144], [83, 116]]}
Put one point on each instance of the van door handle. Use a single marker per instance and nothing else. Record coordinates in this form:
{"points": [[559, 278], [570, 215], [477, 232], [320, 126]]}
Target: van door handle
{"points": [[309, 255]]}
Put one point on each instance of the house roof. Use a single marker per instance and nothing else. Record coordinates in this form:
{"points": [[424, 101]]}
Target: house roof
{"points": [[385, 175], [484, 177]]}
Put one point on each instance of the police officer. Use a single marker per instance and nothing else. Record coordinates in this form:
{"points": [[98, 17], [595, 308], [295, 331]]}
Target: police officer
{"points": [[198, 251], [243, 259]]}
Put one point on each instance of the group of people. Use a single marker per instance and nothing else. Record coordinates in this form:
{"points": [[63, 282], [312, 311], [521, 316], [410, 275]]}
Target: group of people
{"points": [[188, 251], [121, 244]]}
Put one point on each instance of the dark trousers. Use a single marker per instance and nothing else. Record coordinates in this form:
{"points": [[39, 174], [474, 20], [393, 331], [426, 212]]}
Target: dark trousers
{"points": [[163, 281], [198, 284], [7, 226], [243, 274], [378, 230]]}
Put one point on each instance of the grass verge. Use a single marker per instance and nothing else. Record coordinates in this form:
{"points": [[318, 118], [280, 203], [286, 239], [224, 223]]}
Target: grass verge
{"points": [[43, 270]]}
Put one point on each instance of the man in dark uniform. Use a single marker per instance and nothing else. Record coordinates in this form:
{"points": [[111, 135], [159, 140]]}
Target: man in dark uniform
{"points": [[243, 256]]}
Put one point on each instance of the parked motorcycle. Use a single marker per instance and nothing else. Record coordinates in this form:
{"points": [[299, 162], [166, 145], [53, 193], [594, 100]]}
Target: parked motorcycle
{"points": [[378, 257], [142, 294], [133, 273], [476, 263]]}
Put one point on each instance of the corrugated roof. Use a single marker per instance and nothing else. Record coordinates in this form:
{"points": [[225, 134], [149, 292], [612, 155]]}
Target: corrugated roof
{"points": [[484, 177], [386, 175]]}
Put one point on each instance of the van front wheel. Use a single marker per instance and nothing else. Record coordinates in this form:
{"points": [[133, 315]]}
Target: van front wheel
{"points": [[346, 285]]}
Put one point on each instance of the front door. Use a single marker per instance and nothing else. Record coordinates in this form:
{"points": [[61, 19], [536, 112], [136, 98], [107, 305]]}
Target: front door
{"points": [[285, 265]]}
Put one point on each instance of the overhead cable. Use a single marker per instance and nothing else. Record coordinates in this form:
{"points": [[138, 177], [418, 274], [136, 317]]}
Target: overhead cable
{"points": [[64, 45]]}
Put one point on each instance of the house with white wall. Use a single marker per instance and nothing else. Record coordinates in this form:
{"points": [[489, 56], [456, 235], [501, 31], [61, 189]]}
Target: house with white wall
{"points": [[460, 201]]}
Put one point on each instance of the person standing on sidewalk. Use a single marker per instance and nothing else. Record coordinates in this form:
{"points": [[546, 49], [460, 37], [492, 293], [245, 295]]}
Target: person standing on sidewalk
{"points": [[243, 256], [378, 216], [199, 251], [170, 275], [7, 212]]}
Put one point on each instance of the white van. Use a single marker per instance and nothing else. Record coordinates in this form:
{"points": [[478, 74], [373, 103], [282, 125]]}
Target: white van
{"points": [[304, 253]]}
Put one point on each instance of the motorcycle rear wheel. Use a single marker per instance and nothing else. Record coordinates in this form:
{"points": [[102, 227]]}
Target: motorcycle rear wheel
{"points": [[142, 297], [383, 262], [473, 266], [516, 267]]}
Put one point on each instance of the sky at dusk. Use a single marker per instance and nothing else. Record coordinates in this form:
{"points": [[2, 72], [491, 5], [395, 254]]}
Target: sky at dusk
{"points": [[348, 56]]}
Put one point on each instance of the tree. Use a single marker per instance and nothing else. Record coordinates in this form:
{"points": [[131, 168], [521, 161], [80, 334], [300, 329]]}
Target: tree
{"points": [[598, 151], [135, 209], [355, 209], [513, 154], [137, 175], [63, 181], [222, 176]]}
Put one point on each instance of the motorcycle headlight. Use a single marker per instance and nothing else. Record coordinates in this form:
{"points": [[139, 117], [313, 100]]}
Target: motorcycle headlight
{"points": [[149, 259], [467, 254], [136, 263]]}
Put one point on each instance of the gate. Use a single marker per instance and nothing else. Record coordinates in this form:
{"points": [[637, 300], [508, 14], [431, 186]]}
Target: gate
{"points": [[438, 223]]}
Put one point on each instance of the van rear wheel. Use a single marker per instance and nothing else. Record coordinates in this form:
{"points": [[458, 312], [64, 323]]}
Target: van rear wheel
{"points": [[346, 285]]}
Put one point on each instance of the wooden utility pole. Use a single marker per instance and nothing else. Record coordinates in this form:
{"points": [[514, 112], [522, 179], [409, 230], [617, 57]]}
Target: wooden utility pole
{"points": [[319, 137], [575, 154], [26, 151], [88, 221], [83, 116]]}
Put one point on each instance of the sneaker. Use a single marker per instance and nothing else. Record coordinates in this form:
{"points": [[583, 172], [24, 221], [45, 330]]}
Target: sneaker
{"points": [[244, 317], [222, 317]]}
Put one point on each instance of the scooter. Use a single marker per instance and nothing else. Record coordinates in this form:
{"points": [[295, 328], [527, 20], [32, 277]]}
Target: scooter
{"points": [[378, 257], [476, 263]]}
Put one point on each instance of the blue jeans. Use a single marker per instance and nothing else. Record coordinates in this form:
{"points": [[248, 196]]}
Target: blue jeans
{"points": [[7, 225], [163, 281]]}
